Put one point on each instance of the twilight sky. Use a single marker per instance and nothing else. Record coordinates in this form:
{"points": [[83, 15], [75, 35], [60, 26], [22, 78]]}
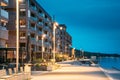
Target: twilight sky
{"points": [[93, 24]]}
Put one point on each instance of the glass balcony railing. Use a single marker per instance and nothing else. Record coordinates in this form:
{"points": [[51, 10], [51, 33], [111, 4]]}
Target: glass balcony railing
{"points": [[4, 13], [46, 28], [40, 41], [32, 28], [40, 23], [33, 7], [46, 43], [34, 18], [3, 28], [6, 1], [3, 33], [41, 14], [40, 32], [46, 20], [33, 39]]}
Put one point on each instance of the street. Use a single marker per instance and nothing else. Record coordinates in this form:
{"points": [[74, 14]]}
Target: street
{"points": [[70, 70]]}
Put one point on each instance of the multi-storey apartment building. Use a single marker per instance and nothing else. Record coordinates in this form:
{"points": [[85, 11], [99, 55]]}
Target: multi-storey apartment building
{"points": [[4, 17], [34, 23], [63, 40]]}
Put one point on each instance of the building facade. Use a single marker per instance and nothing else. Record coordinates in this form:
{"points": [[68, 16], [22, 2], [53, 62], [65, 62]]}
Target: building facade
{"points": [[63, 40], [4, 17], [34, 23], [36, 31]]}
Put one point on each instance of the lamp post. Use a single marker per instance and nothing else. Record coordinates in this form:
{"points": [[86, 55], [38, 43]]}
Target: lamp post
{"points": [[83, 53], [69, 49], [43, 36], [73, 53], [55, 24], [17, 34], [28, 58]]}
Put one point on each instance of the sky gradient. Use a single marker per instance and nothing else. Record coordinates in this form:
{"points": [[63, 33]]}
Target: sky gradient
{"points": [[93, 24]]}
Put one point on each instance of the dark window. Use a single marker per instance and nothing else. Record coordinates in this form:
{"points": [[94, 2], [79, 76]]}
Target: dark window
{"points": [[22, 13]]}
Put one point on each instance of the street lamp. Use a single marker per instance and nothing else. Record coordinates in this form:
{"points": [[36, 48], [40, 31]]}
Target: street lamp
{"points": [[83, 53], [43, 36], [73, 53], [17, 33], [55, 24]]}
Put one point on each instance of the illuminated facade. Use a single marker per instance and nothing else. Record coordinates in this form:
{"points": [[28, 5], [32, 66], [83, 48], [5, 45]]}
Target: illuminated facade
{"points": [[63, 40], [34, 22]]}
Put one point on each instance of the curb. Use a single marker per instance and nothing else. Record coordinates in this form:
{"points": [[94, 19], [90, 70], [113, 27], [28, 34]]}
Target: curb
{"points": [[109, 77], [39, 72]]}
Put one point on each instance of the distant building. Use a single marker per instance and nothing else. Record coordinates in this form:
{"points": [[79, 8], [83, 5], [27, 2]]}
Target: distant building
{"points": [[63, 40]]}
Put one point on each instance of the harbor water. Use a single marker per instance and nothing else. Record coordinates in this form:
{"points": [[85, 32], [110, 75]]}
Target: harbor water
{"points": [[111, 67]]}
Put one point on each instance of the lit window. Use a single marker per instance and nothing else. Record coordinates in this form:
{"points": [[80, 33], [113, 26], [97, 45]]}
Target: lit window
{"points": [[22, 22], [22, 34]]}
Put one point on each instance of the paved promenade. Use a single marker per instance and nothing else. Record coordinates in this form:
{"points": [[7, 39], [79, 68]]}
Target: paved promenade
{"points": [[71, 71]]}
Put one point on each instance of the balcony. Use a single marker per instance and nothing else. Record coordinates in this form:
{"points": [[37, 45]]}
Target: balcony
{"points": [[46, 28], [4, 13], [50, 24], [34, 18], [22, 37], [40, 32], [42, 14], [33, 8], [40, 24], [33, 28], [40, 42], [46, 44], [47, 35], [33, 41], [3, 33], [22, 26], [6, 1], [46, 20]]}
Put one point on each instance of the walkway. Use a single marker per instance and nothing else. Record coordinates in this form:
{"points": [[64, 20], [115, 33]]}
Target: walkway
{"points": [[71, 71]]}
